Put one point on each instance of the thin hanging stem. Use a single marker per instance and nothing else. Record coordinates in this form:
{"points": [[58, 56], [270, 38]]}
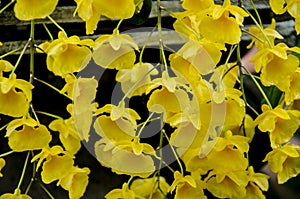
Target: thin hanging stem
{"points": [[145, 44], [46, 190], [48, 31], [174, 152], [260, 28], [19, 58], [6, 6], [6, 154], [31, 52], [23, 171], [57, 25], [52, 87], [256, 12], [49, 114], [144, 124], [10, 52], [259, 87], [161, 45]]}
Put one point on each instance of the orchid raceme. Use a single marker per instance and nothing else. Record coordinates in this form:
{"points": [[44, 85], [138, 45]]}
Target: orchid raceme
{"points": [[173, 120]]}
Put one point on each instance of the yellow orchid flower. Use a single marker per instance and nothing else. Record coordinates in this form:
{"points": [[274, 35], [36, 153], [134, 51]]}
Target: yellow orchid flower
{"points": [[126, 157], [84, 94], [282, 124], [124, 193], [186, 187], [258, 182], [222, 24], [2, 164], [280, 7], [115, 51], [75, 182], [32, 136], [149, 187], [138, 77], [293, 92], [225, 188], [259, 40], [16, 195], [67, 54], [276, 65], [68, 135], [56, 167], [36, 9], [15, 94], [285, 161], [57, 163]]}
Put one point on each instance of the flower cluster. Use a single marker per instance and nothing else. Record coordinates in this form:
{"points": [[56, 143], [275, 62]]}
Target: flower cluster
{"points": [[198, 99]]}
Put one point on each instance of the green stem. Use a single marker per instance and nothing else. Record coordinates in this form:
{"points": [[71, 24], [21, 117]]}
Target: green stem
{"points": [[116, 30], [49, 114], [174, 152], [3, 127], [259, 87], [239, 62], [145, 44], [260, 29], [47, 192], [52, 87], [31, 52], [34, 113], [48, 31], [10, 52], [161, 45], [6, 154], [256, 12], [6, 6], [19, 58], [23, 171], [57, 25], [33, 175], [145, 123]]}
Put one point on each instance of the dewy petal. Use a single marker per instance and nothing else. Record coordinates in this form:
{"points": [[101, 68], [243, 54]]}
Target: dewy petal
{"points": [[29, 138], [293, 93], [34, 9], [56, 167]]}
